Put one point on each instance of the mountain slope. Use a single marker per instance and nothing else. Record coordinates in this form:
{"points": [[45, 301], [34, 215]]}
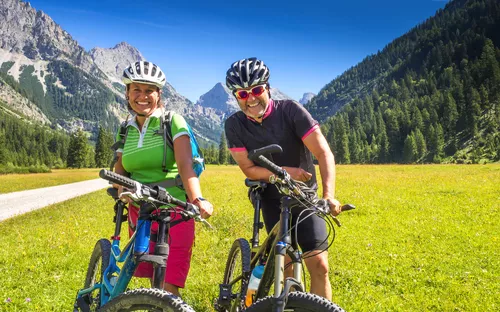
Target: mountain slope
{"points": [[410, 51], [431, 95], [70, 87]]}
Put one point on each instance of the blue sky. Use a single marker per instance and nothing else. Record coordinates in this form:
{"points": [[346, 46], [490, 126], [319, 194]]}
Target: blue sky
{"points": [[306, 44]]}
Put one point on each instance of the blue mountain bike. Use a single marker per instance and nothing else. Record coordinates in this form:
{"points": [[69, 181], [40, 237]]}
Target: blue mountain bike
{"points": [[105, 284]]}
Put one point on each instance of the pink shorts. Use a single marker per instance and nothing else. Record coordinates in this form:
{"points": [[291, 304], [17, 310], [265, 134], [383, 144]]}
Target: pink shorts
{"points": [[181, 240]]}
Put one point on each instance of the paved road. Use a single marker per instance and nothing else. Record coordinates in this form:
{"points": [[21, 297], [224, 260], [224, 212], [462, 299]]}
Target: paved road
{"points": [[15, 203]]}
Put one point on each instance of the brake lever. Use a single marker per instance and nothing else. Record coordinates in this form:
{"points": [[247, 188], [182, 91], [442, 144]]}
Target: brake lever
{"points": [[205, 222], [131, 195], [326, 210], [336, 221], [194, 212]]}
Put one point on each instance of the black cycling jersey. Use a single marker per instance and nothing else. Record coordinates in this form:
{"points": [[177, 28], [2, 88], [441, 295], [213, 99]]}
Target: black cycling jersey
{"points": [[285, 123]]}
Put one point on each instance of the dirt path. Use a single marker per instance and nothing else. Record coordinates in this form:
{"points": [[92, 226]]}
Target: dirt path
{"points": [[16, 203]]}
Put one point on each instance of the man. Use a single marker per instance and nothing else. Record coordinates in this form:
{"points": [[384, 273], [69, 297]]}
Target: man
{"points": [[263, 121]]}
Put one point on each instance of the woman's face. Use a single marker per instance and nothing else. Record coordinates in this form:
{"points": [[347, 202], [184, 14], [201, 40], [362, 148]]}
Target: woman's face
{"points": [[143, 98]]}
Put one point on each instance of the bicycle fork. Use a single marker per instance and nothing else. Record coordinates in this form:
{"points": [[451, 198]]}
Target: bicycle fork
{"points": [[282, 286]]}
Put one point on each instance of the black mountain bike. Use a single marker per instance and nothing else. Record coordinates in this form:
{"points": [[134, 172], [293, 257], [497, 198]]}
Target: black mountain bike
{"points": [[288, 293], [106, 283]]}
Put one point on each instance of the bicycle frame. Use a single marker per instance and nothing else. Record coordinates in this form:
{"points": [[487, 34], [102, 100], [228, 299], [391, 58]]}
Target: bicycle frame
{"points": [[134, 252], [279, 238]]}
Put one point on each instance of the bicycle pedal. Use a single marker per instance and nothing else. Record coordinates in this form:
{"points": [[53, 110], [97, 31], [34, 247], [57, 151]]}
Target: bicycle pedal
{"points": [[81, 305], [225, 294]]}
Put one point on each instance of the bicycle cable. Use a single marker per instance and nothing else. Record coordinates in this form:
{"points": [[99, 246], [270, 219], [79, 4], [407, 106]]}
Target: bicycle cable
{"points": [[310, 195]]}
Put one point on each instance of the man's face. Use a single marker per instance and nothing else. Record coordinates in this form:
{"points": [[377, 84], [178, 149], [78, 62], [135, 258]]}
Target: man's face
{"points": [[253, 101]]}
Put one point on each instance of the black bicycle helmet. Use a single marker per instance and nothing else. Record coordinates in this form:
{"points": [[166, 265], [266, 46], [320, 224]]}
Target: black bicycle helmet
{"points": [[247, 73]]}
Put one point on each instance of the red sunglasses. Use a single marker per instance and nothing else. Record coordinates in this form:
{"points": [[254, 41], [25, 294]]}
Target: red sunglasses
{"points": [[244, 94]]}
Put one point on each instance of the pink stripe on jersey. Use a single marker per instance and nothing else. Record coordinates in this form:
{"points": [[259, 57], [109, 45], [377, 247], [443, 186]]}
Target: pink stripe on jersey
{"points": [[269, 109], [310, 131], [238, 149]]}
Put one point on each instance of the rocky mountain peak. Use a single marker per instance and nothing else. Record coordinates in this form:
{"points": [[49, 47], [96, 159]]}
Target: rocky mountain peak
{"points": [[33, 33], [306, 98], [114, 60], [220, 98]]}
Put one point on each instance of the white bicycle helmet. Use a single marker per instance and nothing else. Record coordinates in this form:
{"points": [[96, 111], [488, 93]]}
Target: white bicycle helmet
{"points": [[144, 72], [247, 73]]}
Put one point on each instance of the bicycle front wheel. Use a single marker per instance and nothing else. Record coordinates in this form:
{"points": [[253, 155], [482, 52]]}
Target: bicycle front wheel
{"points": [[146, 299], [237, 274], [98, 263], [298, 302]]}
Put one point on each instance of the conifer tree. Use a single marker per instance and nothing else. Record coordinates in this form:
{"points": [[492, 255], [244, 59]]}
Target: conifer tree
{"points": [[223, 149], [3, 149], [103, 152], [410, 152], [421, 145], [77, 152], [450, 115]]}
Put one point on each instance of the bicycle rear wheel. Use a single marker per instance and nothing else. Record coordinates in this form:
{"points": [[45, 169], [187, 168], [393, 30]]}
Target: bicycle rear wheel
{"points": [[237, 274], [299, 302], [146, 299], [98, 263]]}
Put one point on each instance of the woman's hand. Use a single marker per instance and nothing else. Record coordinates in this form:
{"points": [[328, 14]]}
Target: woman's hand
{"points": [[124, 199], [206, 208]]}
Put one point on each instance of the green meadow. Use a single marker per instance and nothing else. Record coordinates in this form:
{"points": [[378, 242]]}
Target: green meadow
{"points": [[422, 238]]}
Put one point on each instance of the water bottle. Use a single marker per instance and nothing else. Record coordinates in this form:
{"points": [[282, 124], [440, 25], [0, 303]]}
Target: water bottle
{"points": [[112, 280], [253, 284]]}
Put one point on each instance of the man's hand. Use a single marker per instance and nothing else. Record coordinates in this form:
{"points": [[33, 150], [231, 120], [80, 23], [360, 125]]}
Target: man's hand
{"points": [[335, 206], [298, 174], [206, 208]]}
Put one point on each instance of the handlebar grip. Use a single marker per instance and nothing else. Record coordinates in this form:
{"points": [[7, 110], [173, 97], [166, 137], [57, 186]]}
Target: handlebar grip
{"points": [[257, 156], [347, 207], [270, 149], [269, 165], [117, 178]]}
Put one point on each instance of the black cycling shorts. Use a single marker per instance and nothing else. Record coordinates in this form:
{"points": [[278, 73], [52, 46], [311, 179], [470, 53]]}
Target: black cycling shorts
{"points": [[312, 233]]}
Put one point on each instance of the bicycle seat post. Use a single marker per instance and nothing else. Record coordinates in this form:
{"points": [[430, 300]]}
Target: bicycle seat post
{"points": [[257, 225]]}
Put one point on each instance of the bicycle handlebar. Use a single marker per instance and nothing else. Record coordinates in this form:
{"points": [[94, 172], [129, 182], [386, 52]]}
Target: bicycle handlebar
{"points": [[156, 193], [257, 156], [117, 178], [283, 178]]}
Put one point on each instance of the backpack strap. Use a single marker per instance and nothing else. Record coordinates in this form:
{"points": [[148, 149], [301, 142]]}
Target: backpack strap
{"points": [[166, 131], [120, 143], [166, 127]]}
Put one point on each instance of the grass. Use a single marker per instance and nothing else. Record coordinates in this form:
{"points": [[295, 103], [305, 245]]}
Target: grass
{"points": [[422, 238], [20, 182]]}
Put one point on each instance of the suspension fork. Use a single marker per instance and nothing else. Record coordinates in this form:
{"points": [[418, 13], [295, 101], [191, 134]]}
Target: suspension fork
{"points": [[284, 240], [119, 208], [161, 249]]}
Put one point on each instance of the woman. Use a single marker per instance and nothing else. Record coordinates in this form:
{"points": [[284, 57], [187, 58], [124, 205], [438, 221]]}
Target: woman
{"points": [[141, 158]]}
